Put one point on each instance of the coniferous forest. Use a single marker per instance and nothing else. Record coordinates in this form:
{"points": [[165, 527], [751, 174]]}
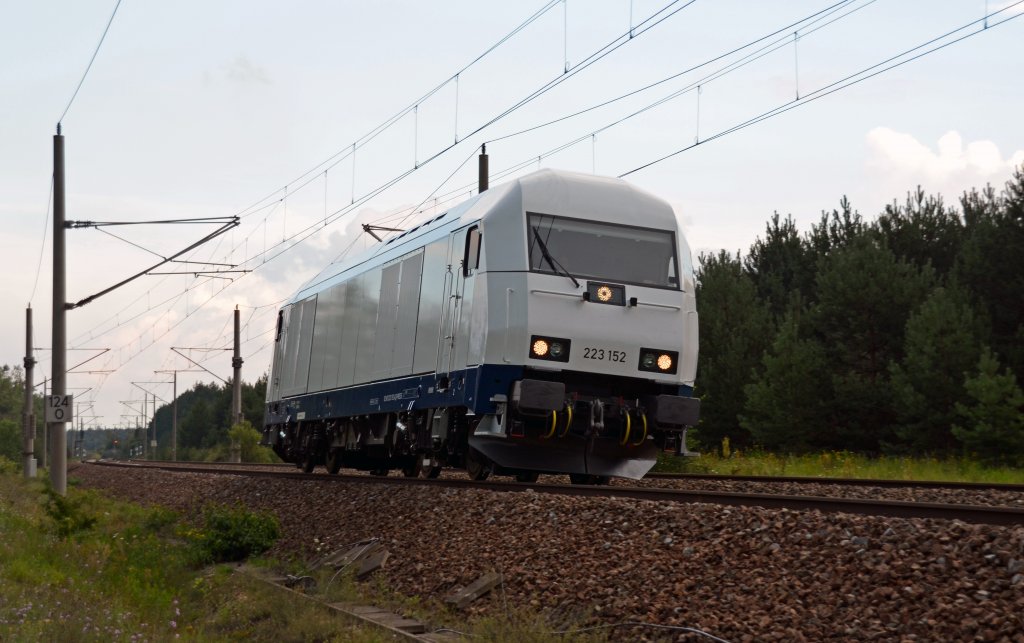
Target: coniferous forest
{"points": [[901, 335]]}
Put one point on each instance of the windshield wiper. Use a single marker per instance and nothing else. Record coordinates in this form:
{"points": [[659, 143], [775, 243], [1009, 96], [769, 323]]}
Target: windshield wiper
{"points": [[557, 267]]}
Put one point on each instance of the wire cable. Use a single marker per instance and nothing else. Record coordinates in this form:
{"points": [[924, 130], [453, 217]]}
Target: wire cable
{"points": [[352, 147], [849, 80], [89, 66], [42, 245], [787, 30]]}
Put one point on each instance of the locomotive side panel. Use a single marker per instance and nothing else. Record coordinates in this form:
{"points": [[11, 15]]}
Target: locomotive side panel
{"points": [[299, 342], [408, 311], [290, 341], [325, 325], [384, 340], [505, 318], [369, 287], [349, 331], [435, 278], [336, 324]]}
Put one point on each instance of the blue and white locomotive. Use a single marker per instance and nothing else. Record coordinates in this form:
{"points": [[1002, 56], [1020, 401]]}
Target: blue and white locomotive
{"points": [[547, 325]]}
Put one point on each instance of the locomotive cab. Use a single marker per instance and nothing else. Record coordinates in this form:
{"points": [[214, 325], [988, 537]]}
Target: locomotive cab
{"points": [[595, 301]]}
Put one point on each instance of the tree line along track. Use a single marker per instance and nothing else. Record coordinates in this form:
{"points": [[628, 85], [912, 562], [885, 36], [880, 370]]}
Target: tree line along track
{"points": [[893, 508]]}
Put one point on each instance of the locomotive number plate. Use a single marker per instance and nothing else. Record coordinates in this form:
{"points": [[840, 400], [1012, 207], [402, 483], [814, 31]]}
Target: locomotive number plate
{"points": [[606, 354]]}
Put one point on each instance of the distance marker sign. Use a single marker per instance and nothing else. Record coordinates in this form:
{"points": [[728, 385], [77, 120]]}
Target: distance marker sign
{"points": [[59, 408]]}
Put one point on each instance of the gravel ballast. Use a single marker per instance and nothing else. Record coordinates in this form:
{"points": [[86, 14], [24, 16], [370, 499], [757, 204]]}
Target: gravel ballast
{"points": [[743, 574]]}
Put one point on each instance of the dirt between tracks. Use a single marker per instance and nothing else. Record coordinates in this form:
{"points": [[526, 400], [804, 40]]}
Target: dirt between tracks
{"points": [[742, 574]]}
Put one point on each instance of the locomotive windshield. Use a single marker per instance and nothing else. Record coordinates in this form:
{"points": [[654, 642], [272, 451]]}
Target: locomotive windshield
{"points": [[642, 256]]}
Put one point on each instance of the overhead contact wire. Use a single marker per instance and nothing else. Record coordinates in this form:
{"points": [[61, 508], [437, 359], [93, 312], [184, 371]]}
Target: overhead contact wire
{"points": [[91, 60]]}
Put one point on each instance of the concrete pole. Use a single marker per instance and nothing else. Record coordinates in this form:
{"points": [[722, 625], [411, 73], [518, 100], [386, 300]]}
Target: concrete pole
{"points": [[236, 393], [43, 457], [58, 375], [145, 428], [174, 420], [29, 436], [153, 422]]}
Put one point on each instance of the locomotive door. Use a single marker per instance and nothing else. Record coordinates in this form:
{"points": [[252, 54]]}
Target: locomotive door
{"points": [[463, 260]]}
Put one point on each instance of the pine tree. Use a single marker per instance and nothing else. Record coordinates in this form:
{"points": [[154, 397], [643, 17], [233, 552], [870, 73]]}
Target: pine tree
{"points": [[787, 402], [942, 342], [835, 231], [780, 264], [993, 423], [735, 329], [922, 231], [988, 264], [865, 297]]}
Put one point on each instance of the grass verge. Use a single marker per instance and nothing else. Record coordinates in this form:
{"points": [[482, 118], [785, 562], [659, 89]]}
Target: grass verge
{"points": [[124, 573], [840, 464], [88, 568]]}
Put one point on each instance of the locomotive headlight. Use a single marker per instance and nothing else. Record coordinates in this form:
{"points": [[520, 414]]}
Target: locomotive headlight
{"points": [[605, 293], [658, 361], [665, 361], [555, 349]]}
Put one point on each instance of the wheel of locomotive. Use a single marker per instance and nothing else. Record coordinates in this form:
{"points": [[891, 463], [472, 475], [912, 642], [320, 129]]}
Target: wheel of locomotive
{"points": [[602, 480], [379, 472], [581, 478], [308, 462], [527, 476], [414, 469], [477, 465], [430, 472], [333, 461]]}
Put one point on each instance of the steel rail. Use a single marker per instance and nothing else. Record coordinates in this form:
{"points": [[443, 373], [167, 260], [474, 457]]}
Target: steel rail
{"points": [[861, 482], [892, 508]]}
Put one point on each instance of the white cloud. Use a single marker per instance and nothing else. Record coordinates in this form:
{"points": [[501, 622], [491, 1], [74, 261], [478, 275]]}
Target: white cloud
{"points": [[240, 71], [953, 166]]}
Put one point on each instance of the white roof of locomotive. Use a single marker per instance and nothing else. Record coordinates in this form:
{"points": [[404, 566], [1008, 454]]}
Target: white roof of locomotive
{"points": [[546, 191]]}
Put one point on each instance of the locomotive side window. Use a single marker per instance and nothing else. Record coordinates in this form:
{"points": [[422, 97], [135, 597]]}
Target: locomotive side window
{"points": [[471, 259], [280, 325]]}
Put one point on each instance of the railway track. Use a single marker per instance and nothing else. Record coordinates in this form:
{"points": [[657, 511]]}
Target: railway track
{"points": [[715, 477], [902, 509]]}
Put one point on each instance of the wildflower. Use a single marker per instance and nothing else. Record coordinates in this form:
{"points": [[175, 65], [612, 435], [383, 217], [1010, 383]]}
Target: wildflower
{"points": [[174, 625]]}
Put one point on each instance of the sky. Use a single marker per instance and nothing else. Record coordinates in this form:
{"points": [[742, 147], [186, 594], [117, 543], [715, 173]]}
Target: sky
{"points": [[219, 109]]}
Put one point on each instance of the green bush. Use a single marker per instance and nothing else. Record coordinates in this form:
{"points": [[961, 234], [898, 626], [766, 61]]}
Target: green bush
{"points": [[248, 439], [8, 466], [158, 519], [67, 513], [233, 533]]}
